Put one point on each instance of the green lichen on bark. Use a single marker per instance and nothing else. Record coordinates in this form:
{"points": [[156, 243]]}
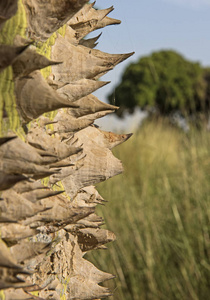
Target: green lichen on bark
{"points": [[17, 26], [11, 28]]}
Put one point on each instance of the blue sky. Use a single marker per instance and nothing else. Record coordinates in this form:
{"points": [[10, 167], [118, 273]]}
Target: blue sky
{"points": [[151, 25]]}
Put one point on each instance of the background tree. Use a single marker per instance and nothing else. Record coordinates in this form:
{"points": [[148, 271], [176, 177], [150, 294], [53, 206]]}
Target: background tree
{"points": [[166, 81]]}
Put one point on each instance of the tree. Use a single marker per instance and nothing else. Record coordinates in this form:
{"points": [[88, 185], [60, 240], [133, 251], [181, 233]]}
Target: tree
{"points": [[44, 234], [166, 81]]}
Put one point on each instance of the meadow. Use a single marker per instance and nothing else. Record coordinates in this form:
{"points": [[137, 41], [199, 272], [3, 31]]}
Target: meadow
{"points": [[159, 210]]}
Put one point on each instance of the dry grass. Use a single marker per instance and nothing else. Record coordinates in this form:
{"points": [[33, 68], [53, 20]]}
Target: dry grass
{"points": [[159, 210]]}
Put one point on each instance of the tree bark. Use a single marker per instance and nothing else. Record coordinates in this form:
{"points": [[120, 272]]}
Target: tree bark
{"points": [[51, 154]]}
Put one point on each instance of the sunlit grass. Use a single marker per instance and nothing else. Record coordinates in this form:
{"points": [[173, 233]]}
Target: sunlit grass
{"points": [[159, 210]]}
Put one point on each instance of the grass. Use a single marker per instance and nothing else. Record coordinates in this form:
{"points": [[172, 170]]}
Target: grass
{"points": [[159, 210]]}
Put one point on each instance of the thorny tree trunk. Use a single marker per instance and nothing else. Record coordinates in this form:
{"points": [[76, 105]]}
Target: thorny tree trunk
{"points": [[51, 154]]}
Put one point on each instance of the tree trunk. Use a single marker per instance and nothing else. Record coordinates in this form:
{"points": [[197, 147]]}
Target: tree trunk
{"points": [[51, 154]]}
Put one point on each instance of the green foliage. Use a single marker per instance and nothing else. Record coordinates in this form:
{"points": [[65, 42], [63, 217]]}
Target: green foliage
{"points": [[160, 214], [164, 80]]}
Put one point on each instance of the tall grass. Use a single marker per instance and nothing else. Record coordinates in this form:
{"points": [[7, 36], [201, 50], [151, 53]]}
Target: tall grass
{"points": [[159, 210]]}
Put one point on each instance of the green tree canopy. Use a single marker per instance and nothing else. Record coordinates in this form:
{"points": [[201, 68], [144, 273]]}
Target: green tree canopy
{"points": [[165, 80]]}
